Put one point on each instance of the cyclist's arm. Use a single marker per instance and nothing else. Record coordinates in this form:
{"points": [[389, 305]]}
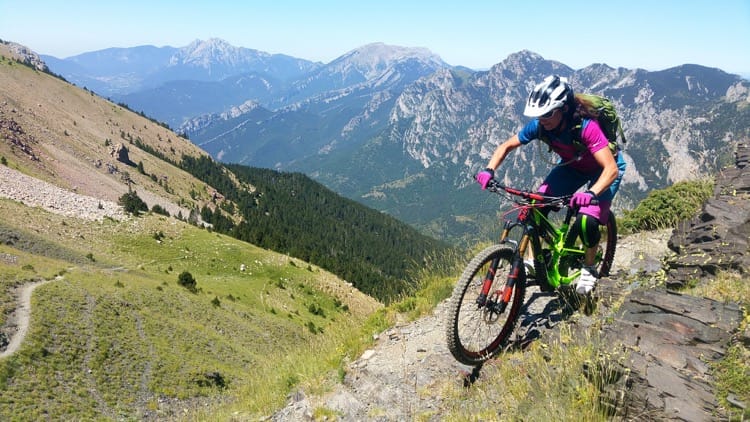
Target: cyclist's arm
{"points": [[597, 143], [502, 151], [609, 173]]}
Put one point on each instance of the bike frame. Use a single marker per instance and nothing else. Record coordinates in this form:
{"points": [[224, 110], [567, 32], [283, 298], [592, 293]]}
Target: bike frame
{"points": [[536, 229]]}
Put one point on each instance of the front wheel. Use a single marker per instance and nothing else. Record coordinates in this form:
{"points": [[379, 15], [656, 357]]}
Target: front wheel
{"points": [[478, 325]]}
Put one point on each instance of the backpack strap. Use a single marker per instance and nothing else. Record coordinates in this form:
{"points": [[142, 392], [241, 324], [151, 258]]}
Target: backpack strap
{"points": [[578, 136], [621, 132]]}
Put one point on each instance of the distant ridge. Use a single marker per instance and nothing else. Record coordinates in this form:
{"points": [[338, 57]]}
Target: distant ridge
{"points": [[381, 123]]}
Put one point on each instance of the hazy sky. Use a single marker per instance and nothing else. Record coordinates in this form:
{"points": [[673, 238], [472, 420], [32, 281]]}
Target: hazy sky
{"points": [[648, 34]]}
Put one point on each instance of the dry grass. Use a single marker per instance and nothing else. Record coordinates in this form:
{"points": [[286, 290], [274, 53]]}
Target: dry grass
{"points": [[71, 132], [117, 337]]}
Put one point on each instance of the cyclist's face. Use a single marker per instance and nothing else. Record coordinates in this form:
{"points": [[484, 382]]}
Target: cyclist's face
{"points": [[551, 121]]}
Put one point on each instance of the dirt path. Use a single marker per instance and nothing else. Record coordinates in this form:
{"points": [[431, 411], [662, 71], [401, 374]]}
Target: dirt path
{"points": [[18, 323], [403, 373]]}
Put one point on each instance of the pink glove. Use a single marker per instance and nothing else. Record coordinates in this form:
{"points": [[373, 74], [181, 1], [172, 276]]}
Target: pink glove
{"points": [[484, 177], [582, 199]]}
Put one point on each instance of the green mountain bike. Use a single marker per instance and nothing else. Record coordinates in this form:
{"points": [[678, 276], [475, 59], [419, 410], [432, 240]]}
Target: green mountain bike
{"points": [[487, 300]]}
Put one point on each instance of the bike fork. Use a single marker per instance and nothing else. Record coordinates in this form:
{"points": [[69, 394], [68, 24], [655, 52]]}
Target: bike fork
{"points": [[501, 297], [504, 295], [487, 283]]}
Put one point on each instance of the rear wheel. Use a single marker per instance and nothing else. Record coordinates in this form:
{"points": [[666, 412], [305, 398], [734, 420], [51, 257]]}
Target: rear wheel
{"points": [[608, 245], [477, 329]]}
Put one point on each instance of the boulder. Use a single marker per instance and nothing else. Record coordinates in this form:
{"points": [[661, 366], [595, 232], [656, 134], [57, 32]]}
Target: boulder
{"points": [[668, 341], [717, 239]]}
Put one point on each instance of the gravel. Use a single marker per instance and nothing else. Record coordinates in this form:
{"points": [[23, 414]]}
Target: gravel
{"points": [[38, 193]]}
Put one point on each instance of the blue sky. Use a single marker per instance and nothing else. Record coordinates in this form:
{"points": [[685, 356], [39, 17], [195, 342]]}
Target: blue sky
{"points": [[648, 34]]}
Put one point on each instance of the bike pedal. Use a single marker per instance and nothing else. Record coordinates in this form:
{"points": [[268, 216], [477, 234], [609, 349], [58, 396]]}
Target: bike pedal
{"points": [[545, 287]]}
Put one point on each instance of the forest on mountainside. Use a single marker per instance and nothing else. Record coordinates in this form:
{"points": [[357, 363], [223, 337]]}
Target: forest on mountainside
{"points": [[292, 214]]}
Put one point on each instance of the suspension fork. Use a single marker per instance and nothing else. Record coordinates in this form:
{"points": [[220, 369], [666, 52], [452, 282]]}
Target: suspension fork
{"points": [[505, 293], [487, 283], [489, 277]]}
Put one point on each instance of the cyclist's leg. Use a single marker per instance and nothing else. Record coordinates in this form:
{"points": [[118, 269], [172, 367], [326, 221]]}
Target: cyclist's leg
{"points": [[562, 180], [590, 217], [601, 211], [587, 224]]}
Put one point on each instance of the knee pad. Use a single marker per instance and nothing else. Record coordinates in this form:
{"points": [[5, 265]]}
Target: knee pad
{"points": [[588, 227]]}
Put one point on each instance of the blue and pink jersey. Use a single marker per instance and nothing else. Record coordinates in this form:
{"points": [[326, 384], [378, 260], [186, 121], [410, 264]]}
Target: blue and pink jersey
{"points": [[580, 167], [591, 136]]}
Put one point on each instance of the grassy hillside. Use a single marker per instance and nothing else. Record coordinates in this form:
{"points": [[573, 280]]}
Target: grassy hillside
{"points": [[65, 135], [113, 334], [117, 330]]}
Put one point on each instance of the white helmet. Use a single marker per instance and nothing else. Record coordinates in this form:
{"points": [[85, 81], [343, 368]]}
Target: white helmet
{"points": [[553, 93]]}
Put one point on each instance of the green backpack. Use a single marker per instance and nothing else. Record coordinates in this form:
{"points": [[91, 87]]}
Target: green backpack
{"points": [[602, 110]]}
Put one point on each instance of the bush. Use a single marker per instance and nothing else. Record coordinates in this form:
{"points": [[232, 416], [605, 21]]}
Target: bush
{"points": [[664, 208], [187, 281], [132, 203], [158, 209]]}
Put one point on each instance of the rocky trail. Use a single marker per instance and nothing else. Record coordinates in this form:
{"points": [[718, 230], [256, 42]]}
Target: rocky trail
{"points": [[397, 378]]}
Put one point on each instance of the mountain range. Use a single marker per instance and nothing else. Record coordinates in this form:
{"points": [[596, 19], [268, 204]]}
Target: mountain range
{"points": [[80, 141], [401, 131], [118, 334]]}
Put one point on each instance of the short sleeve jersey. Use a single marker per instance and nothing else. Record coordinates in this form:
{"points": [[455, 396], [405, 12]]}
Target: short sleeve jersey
{"points": [[562, 144]]}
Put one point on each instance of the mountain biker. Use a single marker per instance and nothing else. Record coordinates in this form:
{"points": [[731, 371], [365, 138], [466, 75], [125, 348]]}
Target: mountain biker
{"points": [[555, 112]]}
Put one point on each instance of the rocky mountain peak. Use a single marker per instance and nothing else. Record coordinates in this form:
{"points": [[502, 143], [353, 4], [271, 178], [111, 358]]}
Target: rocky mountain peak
{"points": [[27, 56], [522, 63], [372, 59], [524, 56], [214, 51]]}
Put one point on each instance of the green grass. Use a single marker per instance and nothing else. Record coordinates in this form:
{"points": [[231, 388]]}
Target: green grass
{"points": [[664, 208], [731, 374], [116, 337]]}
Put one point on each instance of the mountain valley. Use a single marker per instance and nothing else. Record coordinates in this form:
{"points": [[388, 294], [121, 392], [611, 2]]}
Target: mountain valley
{"points": [[399, 130]]}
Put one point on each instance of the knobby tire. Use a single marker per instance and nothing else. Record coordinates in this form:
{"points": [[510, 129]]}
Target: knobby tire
{"points": [[609, 249], [474, 334]]}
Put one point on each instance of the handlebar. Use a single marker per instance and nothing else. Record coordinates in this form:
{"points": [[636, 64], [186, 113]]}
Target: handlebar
{"points": [[496, 187]]}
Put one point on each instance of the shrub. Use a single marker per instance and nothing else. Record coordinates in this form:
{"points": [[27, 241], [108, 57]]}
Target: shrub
{"points": [[315, 309], [158, 209], [187, 281], [132, 203], [664, 208]]}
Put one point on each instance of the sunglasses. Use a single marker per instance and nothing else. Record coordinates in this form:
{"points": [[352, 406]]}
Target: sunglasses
{"points": [[548, 114]]}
